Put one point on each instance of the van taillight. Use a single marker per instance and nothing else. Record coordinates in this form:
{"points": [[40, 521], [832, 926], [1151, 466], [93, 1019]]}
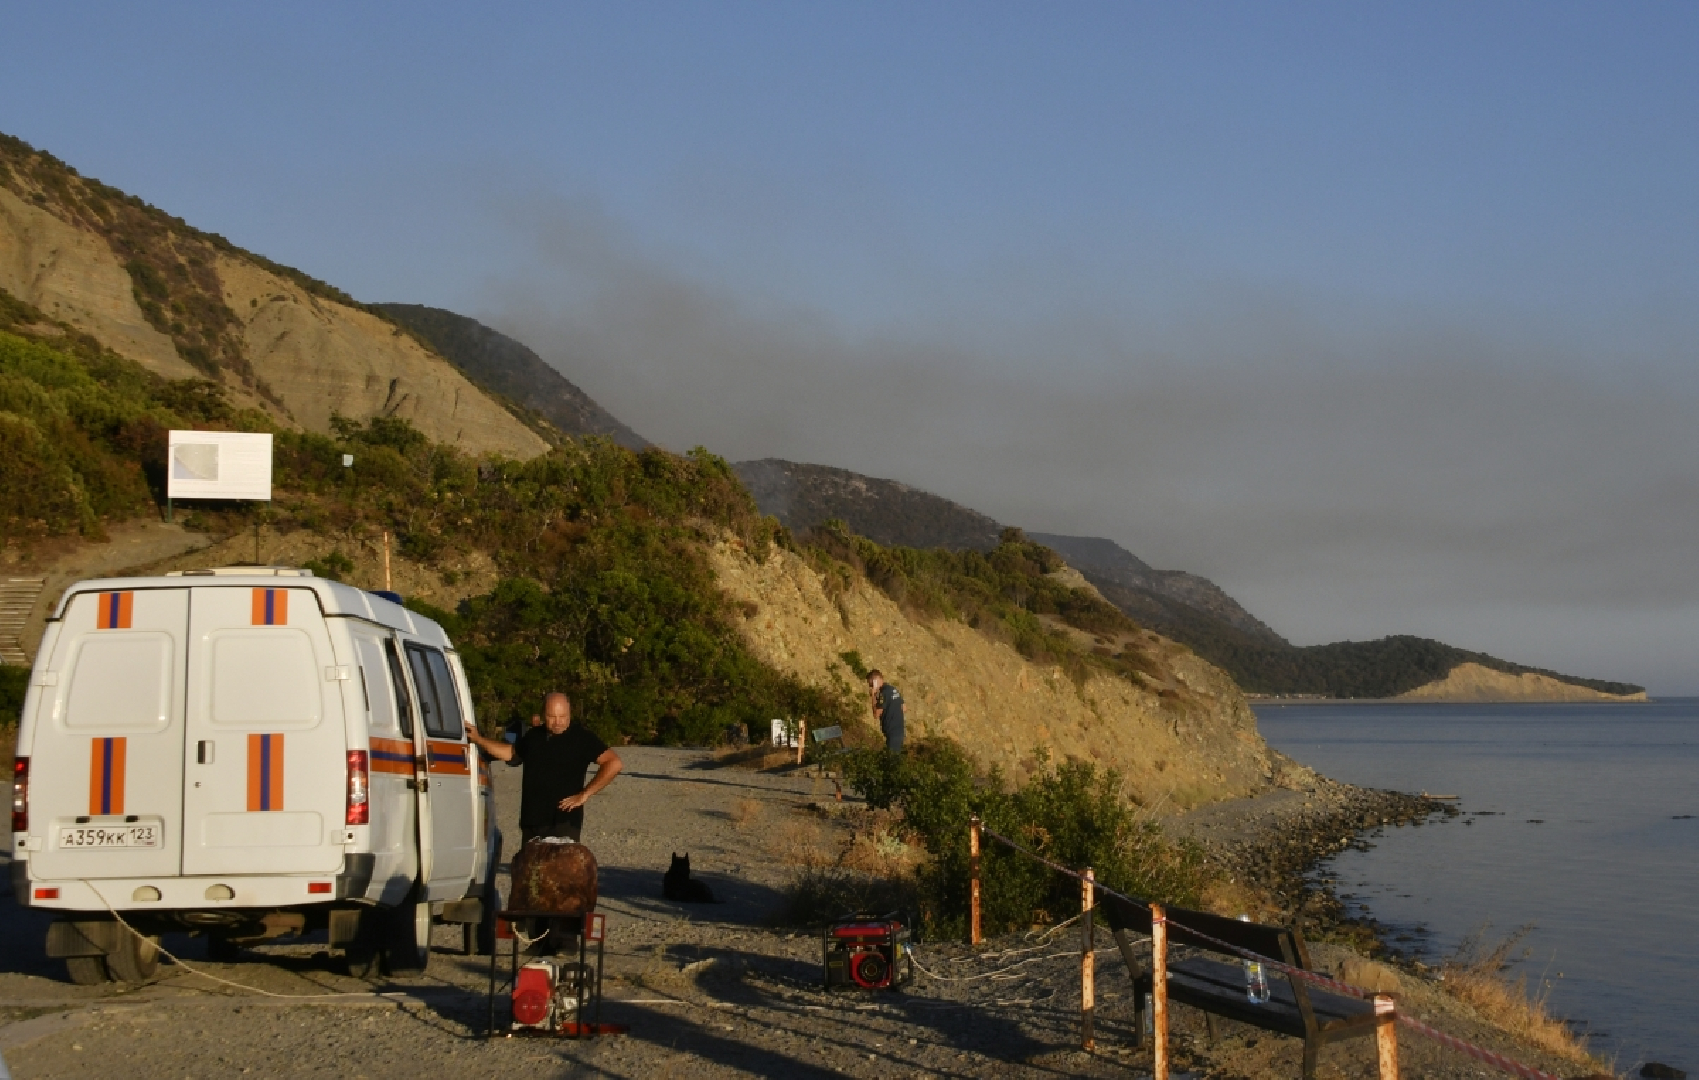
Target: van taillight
{"points": [[359, 788], [20, 795]]}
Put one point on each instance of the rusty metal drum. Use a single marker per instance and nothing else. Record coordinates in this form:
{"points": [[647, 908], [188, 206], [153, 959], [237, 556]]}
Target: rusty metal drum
{"points": [[553, 877]]}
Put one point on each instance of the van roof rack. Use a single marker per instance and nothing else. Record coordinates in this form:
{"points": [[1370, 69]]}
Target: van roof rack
{"points": [[242, 571]]}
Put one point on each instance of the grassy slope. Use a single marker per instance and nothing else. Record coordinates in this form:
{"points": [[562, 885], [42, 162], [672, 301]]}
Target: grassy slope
{"points": [[606, 589]]}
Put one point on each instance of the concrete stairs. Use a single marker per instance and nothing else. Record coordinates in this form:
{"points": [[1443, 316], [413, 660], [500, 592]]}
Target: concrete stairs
{"points": [[18, 597]]}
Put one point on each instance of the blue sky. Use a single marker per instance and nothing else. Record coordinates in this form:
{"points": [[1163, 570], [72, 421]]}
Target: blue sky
{"points": [[1380, 315]]}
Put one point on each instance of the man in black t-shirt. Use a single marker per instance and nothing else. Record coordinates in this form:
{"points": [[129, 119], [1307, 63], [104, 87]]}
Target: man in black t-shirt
{"points": [[557, 756]]}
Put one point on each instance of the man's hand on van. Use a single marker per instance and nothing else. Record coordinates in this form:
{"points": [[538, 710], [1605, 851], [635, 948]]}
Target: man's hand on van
{"points": [[494, 749]]}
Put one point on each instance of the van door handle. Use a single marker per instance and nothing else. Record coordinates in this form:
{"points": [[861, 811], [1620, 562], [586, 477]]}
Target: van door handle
{"points": [[419, 785], [203, 752]]}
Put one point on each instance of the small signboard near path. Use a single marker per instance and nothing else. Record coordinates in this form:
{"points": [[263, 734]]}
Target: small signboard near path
{"points": [[218, 465]]}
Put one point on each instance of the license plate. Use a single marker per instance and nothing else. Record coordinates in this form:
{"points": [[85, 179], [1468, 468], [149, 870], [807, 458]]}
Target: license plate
{"points": [[109, 836]]}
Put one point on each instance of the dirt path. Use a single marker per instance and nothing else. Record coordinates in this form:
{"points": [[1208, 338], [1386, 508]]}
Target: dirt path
{"points": [[131, 545], [709, 991]]}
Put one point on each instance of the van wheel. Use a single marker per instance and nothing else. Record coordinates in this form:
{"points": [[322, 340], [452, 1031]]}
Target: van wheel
{"points": [[407, 938], [362, 953], [87, 970], [483, 936], [136, 960]]}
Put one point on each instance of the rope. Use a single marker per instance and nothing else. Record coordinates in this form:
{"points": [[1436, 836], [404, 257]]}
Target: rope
{"points": [[1479, 1053], [191, 969], [1507, 1064], [998, 974]]}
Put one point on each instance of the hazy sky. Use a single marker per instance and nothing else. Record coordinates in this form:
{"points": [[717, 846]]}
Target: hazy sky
{"points": [[1382, 316]]}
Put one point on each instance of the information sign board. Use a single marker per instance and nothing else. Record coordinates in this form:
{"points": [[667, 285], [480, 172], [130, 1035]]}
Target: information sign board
{"points": [[218, 465]]}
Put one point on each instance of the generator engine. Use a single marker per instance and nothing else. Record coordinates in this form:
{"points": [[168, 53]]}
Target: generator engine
{"points": [[546, 994], [534, 996], [867, 952]]}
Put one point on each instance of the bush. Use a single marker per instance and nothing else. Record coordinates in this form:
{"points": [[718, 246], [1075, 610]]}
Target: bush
{"points": [[1071, 814]]}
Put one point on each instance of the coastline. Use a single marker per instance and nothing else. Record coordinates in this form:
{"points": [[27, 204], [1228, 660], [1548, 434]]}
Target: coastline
{"points": [[1299, 699], [1270, 845]]}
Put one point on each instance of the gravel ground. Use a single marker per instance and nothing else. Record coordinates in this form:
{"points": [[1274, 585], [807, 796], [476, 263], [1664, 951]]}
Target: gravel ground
{"points": [[707, 990]]}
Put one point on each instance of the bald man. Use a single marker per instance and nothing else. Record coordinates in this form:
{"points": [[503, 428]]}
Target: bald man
{"points": [[556, 756]]}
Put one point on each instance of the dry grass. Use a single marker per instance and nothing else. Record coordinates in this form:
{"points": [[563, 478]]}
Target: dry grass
{"points": [[1477, 975], [745, 811], [854, 862]]}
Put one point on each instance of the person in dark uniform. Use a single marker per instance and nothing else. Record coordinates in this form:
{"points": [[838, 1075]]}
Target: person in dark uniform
{"points": [[557, 756], [887, 709]]}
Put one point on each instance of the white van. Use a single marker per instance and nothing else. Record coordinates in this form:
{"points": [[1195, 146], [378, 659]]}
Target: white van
{"points": [[248, 753]]}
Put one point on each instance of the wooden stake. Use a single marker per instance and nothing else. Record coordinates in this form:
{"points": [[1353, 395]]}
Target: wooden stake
{"points": [[1386, 1036], [973, 880], [1159, 991], [386, 585], [1088, 959], [801, 739]]}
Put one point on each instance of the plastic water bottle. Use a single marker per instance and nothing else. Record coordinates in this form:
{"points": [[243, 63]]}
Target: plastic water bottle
{"points": [[1256, 981]]}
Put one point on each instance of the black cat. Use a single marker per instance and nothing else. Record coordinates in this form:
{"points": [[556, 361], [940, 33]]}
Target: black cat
{"points": [[677, 885]]}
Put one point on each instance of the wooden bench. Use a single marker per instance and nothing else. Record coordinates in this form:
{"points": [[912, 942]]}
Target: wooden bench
{"points": [[1295, 1006], [822, 736]]}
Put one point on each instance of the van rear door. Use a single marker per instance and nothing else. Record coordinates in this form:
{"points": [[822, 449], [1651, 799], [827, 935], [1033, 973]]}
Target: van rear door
{"points": [[265, 754], [106, 760]]}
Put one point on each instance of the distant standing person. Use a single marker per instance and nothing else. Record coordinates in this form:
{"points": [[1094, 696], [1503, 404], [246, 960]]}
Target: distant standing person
{"points": [[557, 755], [887, 709]]}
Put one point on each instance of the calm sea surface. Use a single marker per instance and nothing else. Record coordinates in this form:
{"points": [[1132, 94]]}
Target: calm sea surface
{"points": [[1573, 821]]}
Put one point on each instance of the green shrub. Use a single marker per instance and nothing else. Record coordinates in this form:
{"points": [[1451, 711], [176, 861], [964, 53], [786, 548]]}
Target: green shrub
{"points": [[1071, 813]]}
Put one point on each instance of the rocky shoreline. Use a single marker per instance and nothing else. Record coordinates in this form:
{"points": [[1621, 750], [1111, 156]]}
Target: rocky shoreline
{"points": [[1271, 845]]}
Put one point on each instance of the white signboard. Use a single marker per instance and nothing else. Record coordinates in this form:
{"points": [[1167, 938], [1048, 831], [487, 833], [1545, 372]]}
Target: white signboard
{"points": [[218, 465]]}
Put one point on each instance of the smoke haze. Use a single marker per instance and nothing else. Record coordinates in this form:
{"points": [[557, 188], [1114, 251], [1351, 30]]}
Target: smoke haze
{"points": [[1345, 468]]}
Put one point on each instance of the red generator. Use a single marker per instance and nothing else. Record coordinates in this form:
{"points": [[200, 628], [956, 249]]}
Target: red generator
{"points": [[867, 952]]}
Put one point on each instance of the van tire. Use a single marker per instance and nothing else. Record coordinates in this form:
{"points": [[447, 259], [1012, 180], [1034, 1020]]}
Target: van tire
{"points": [[87, 970], [136, 960], [482, 938], [363, 954], [407, 938]]}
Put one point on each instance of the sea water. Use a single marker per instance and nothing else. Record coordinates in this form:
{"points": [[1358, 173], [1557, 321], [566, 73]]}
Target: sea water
{"points": [[1575, 821]]}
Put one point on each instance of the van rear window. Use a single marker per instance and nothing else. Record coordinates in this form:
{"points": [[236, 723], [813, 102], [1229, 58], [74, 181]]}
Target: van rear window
{"points": [[264, 677], [120, 681]]}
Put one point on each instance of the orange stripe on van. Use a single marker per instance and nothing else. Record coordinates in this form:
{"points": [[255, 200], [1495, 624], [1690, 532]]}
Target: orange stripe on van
{"points": [[115, 610], [265, 772], [392, 756], [449, 758], [271, 607], [106, 776]]}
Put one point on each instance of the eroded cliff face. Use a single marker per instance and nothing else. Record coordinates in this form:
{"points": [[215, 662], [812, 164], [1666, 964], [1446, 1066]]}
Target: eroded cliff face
{"points": [[1475, 683], [84, 255], [1181, 737], [322, 358], [72, 275]]}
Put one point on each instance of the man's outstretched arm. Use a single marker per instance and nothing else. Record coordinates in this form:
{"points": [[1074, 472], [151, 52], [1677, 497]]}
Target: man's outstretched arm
{"points": [[498, 749]]}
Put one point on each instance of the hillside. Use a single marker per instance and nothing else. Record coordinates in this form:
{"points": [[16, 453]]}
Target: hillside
{"points": [[186, 304], [884, 511], [1185, 607], [500, 364], [612, 572], [1178, 730], [1166, 600]]}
